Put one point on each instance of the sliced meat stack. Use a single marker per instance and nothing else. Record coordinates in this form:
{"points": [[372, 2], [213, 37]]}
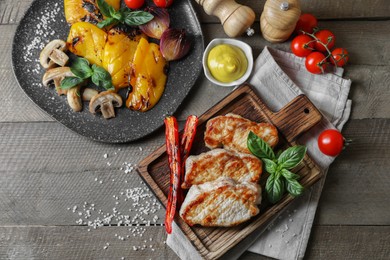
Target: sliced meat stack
{"points": [[221, 203], [218, 163]]}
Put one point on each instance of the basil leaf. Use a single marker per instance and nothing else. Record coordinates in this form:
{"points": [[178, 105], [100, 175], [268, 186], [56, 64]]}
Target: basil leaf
{"points": [[104, 8], [136, 18], [120, 16], [294, 187], [70, 82], [80, 68], [259, 147], [270, 166], [274, 188], [109, 21], [292, 156], [101, 77], [289, 175]]}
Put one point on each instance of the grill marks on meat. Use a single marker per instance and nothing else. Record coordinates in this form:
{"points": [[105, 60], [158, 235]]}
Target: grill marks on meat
{"points": [[231, 132], [216, 163], [222, 202]]}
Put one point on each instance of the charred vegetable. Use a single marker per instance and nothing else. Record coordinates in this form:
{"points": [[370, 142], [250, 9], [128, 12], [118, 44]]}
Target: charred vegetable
{"points": [[174, 44], [86, 10], [88, 41], [174, 159], [158, 25], [148, 76], [118, 55]]}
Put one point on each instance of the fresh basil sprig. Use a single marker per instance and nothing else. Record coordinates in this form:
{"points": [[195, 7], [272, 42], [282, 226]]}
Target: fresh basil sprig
{"points": [[82, 71], [278, 166], [124, 15]]}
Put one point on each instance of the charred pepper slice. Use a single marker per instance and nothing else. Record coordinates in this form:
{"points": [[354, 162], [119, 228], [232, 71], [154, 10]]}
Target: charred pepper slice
{"points": [[174, 159]]}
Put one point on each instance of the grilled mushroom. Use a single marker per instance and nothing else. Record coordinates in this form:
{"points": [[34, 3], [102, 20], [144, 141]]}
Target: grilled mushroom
{"points": [[89, 93], [74, 99], [105, 103], [57, 75], [54, 53]]}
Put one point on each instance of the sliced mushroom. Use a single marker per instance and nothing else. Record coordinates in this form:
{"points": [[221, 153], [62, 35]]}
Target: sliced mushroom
{"points": [[74, 99], [89, 93], [105, 103], [57, 75], [54, 53]]}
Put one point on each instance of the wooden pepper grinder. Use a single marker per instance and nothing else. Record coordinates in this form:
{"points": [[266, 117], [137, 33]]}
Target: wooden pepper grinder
{"points": [[278, 20], [235, 18]]}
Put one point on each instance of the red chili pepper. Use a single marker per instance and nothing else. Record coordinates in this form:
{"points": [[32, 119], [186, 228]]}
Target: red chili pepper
{"points": [[177, 154], [186, 143], [174, 158]]}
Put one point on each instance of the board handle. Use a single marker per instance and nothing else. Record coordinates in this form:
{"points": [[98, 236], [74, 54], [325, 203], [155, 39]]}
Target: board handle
{"points": [[296, 117]]}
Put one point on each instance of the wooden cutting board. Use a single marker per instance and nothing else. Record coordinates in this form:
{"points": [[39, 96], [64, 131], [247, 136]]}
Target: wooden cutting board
{"points": [[292, 120]]}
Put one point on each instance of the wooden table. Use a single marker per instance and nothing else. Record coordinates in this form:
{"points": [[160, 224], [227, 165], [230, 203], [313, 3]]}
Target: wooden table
{"points": [[46, 170]]}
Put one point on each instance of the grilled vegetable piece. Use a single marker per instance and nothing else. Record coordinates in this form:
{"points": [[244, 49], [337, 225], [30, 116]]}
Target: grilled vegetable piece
{"points": [[185, 145], [221, 203], [148, 77], [119, 53], [105, 102], [231, 132], [174, 159], [217, 163], [85, 10], [88, 41], [54, 54]]}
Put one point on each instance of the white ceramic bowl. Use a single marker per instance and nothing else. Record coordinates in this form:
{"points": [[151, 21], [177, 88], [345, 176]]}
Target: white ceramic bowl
{"points": [[243, 46]]}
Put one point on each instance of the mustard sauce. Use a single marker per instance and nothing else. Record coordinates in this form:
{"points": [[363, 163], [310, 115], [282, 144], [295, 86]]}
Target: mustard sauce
{"points": [[227, 63]]}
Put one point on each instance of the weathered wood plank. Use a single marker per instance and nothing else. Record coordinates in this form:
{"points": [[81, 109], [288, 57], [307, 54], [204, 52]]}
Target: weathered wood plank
{"points": [[358, 182], [77, 243], [332, 9], [12, 11], [349, 242], [344, 242], [326, 242], [46, 169]]}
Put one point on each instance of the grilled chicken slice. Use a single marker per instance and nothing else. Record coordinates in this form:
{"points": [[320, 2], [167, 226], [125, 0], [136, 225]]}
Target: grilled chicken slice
{"points": [[216, 163], [231, 132], [221, 203]]}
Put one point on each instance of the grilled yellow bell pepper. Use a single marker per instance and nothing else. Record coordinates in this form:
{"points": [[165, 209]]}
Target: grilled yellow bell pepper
{"points": [[148, 76], [118, 55], [85, 10], [88, 41]]}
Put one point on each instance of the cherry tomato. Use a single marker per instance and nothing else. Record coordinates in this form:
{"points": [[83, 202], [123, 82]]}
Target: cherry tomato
{"points": [[134, 4], [306, 23], [163, 3], [326, 37], [331, 142], [316, 62], [340, 57], [302, 45]]}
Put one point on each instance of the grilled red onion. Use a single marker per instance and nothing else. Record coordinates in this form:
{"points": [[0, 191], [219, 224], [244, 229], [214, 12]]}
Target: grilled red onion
{"points": [[158, 24], [174, 44]]}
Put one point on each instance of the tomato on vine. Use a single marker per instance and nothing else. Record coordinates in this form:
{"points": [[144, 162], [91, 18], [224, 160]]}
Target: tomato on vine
{"points": [[134, 4], [331, 142], [306, 23], [325, 37], [340, 57], [316, 62], [302, 45], [163, 3]]}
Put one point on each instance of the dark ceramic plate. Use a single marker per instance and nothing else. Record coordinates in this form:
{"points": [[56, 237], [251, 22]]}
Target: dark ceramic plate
{"points": [[44, 21]]}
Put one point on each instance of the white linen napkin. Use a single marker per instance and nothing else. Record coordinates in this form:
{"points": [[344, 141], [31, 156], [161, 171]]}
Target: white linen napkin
{"points": [[279, 77]]}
